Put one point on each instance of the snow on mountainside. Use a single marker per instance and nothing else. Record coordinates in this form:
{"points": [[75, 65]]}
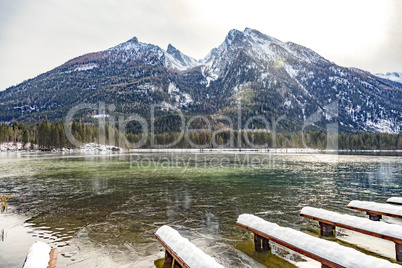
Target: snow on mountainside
{"points": [[262, 48], [304, 81], [132, 50], [395, 76], [178, 60], [273, 78]]}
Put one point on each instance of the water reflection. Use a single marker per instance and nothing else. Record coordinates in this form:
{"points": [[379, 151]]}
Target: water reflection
{"points": [[211, 224], [99, 184]]}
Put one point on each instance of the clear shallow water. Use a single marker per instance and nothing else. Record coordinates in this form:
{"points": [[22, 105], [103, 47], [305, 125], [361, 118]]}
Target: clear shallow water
{"points": [[103, 210]]}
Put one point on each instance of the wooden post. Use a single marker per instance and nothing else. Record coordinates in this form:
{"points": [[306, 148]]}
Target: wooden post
{"points": [[176, 264], [261, 244], [324, 266], [265, 244], [398, 250], [168, 260], [374, 217], [257, 243], [327, 230]]}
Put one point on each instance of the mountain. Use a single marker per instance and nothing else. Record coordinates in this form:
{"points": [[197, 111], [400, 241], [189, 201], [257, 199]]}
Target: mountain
{"points": [[270, 78], [395, 76], [178, 60]]}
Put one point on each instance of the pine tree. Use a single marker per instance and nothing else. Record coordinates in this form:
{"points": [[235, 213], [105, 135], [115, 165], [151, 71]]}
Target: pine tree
{"points": [[25, 138]]}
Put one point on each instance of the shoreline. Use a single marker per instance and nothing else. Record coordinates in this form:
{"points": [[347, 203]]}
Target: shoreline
{"points": [[97, 148], [255, 150]]}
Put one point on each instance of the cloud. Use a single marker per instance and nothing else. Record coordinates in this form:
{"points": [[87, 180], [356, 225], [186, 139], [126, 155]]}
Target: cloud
{"points": [[389, 55], [382, 50]]}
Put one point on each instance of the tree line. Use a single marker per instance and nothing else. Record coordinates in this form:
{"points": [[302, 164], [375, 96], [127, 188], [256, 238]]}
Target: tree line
{"points": [[46, 135]]}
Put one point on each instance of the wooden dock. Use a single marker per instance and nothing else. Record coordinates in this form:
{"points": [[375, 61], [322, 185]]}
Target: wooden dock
{"points": [[329, 220], [328, 253], [41, 255]]}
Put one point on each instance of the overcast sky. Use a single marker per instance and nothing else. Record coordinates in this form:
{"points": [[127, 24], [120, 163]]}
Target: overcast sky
{"points": [[36, 36]]}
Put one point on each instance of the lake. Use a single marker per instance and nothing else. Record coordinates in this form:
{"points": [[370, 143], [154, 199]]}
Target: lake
{"points": [[102, 210]]}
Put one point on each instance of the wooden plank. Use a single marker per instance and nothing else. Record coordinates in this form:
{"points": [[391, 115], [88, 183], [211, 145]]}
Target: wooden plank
{"points": [[390, 238], [375, 212], [53, 258], [398, 250], [172, 252], [306, 253], [394, 203]]}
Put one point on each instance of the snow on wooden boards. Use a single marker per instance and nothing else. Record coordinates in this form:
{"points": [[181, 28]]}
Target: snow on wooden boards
{"points": [[182, 250], [391, 232], [330, 254], [395, 200], [373, 208], [41, 255]]}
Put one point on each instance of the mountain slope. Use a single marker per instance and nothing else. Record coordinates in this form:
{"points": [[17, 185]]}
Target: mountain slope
{"points": [[269, 77], [395, 76], [297, 82]]}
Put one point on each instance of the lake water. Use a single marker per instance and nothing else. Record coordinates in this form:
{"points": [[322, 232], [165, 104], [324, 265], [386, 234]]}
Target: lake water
{"points": [[103, 210]]}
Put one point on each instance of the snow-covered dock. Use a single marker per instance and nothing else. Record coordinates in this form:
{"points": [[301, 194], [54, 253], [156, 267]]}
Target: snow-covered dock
{"points": [[41, 255], [181, 251], [328, 220], [376, 210], [330, 254], [395, 200]]}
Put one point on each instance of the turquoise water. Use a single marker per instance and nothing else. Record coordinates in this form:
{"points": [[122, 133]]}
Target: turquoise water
{"points": [[103, 210]]}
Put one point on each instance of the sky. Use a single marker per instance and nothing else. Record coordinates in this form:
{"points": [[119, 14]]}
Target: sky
{"points": [[37, 36]]}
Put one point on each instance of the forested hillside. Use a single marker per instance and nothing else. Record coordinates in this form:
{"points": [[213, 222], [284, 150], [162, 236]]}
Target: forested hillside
{"points": [[50, 136]]}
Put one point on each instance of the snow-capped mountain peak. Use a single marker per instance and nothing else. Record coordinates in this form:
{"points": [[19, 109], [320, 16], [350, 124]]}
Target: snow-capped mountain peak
{"points": [[130, 44], [234, 36], [133, 50], [263, 49], [394, 76], [176, 59], [259, 37], [133, 40], [248, 36]]}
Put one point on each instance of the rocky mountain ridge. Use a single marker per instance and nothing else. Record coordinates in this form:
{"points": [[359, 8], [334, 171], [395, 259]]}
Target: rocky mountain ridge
{"points": [[270, 78]]}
